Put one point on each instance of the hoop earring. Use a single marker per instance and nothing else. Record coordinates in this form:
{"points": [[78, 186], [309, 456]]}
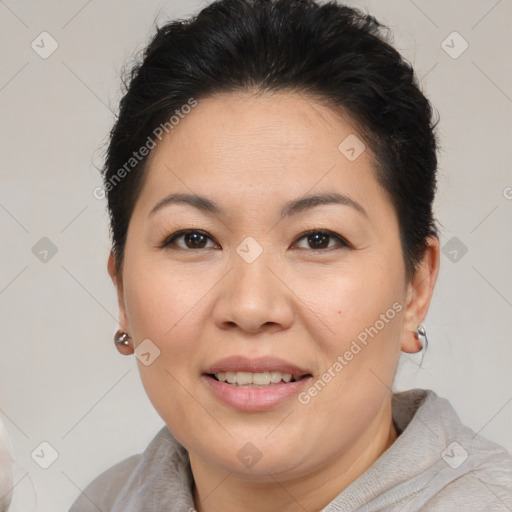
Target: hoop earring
{"points": [[421, 334], [123, 343]]}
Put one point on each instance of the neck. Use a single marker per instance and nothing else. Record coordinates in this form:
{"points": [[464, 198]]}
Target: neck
{"points": [[224, 491]]}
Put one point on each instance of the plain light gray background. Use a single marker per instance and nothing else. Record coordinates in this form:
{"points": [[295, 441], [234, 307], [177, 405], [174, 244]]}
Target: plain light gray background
{"points": [[61, 379]]}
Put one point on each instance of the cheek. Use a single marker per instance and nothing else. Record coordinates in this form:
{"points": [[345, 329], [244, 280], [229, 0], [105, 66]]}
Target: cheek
{"points": [[363, 308], [353, 301], [162, 301], [164, 307]]}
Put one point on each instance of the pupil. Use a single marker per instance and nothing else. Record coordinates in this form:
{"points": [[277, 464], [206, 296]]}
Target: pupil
{"points": [[194, 238], [322, 237]]}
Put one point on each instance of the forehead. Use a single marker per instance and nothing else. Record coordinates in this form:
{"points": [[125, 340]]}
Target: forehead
{"points": [[267, 146], [283, 122]]}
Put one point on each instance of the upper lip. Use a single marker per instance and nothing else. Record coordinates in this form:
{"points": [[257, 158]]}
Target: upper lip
{"points": [[256, 365]]}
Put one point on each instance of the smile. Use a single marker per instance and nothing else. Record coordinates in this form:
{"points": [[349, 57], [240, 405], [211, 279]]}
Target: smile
{"points": [[259, 379], [252, 385]]}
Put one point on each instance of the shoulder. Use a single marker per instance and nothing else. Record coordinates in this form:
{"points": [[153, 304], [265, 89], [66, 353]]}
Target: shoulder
{"points": [[482, 476], [487, 487], [129, 485], [466, 471], [102, 492]]}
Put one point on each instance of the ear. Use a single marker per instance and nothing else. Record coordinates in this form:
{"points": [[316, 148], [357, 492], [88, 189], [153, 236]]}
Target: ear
{"points": [[419, 294], [118, 283]]}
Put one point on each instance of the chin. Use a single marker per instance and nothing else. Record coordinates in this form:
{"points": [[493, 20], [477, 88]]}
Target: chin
{"points": [[253, 457]]}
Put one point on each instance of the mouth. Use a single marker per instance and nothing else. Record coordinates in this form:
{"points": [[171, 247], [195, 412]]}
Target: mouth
{"points": [[263, 379], [252, 385]]}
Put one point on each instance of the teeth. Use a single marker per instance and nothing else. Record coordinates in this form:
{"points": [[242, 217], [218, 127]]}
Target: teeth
{"points": [[262, 379], [243, 378], [275, 377], [248, 379]]}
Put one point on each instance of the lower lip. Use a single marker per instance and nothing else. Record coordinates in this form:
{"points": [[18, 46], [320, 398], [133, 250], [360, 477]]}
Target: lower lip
{"points": [[254, 399]]}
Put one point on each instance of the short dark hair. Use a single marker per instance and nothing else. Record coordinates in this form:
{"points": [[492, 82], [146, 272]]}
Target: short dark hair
{"points": [[332, 52]]}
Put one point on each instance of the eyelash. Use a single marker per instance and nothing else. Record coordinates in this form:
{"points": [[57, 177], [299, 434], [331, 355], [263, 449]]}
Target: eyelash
{"points": [[342, 242]]}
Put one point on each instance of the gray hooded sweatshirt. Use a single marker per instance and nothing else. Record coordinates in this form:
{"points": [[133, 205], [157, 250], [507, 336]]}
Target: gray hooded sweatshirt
{"points": [[435, 464]]}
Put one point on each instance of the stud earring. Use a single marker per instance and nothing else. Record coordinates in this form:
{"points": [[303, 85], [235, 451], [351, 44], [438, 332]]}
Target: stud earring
{"points": [[123, 343]]}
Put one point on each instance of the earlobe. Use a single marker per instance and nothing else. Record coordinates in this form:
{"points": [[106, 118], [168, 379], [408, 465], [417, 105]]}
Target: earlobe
{"points": [[418, 342], [419, 295]]}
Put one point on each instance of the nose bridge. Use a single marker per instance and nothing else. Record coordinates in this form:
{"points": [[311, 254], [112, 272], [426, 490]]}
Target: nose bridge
{"points": [[252, 279], [253, 296]]}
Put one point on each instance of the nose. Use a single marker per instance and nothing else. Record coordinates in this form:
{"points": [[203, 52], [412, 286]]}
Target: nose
{"points": [[253, 297]]}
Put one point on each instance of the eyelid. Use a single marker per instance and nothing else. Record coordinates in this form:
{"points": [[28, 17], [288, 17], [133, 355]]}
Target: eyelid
{"points": [[168, 240], [342, 242]]}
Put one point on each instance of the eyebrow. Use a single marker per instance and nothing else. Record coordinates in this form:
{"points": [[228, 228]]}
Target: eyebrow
{"points": [[290, 208]]}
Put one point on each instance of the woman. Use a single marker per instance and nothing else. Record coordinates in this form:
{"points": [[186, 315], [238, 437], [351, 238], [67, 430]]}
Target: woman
{"points": [[270, 182]]}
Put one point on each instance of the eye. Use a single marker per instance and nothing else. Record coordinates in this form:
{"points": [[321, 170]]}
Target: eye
{"points": [[192, 239], [198, 239], [320, 239]]}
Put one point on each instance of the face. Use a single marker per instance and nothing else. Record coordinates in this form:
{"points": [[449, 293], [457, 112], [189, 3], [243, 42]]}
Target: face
{"points": [[289, 267]]}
